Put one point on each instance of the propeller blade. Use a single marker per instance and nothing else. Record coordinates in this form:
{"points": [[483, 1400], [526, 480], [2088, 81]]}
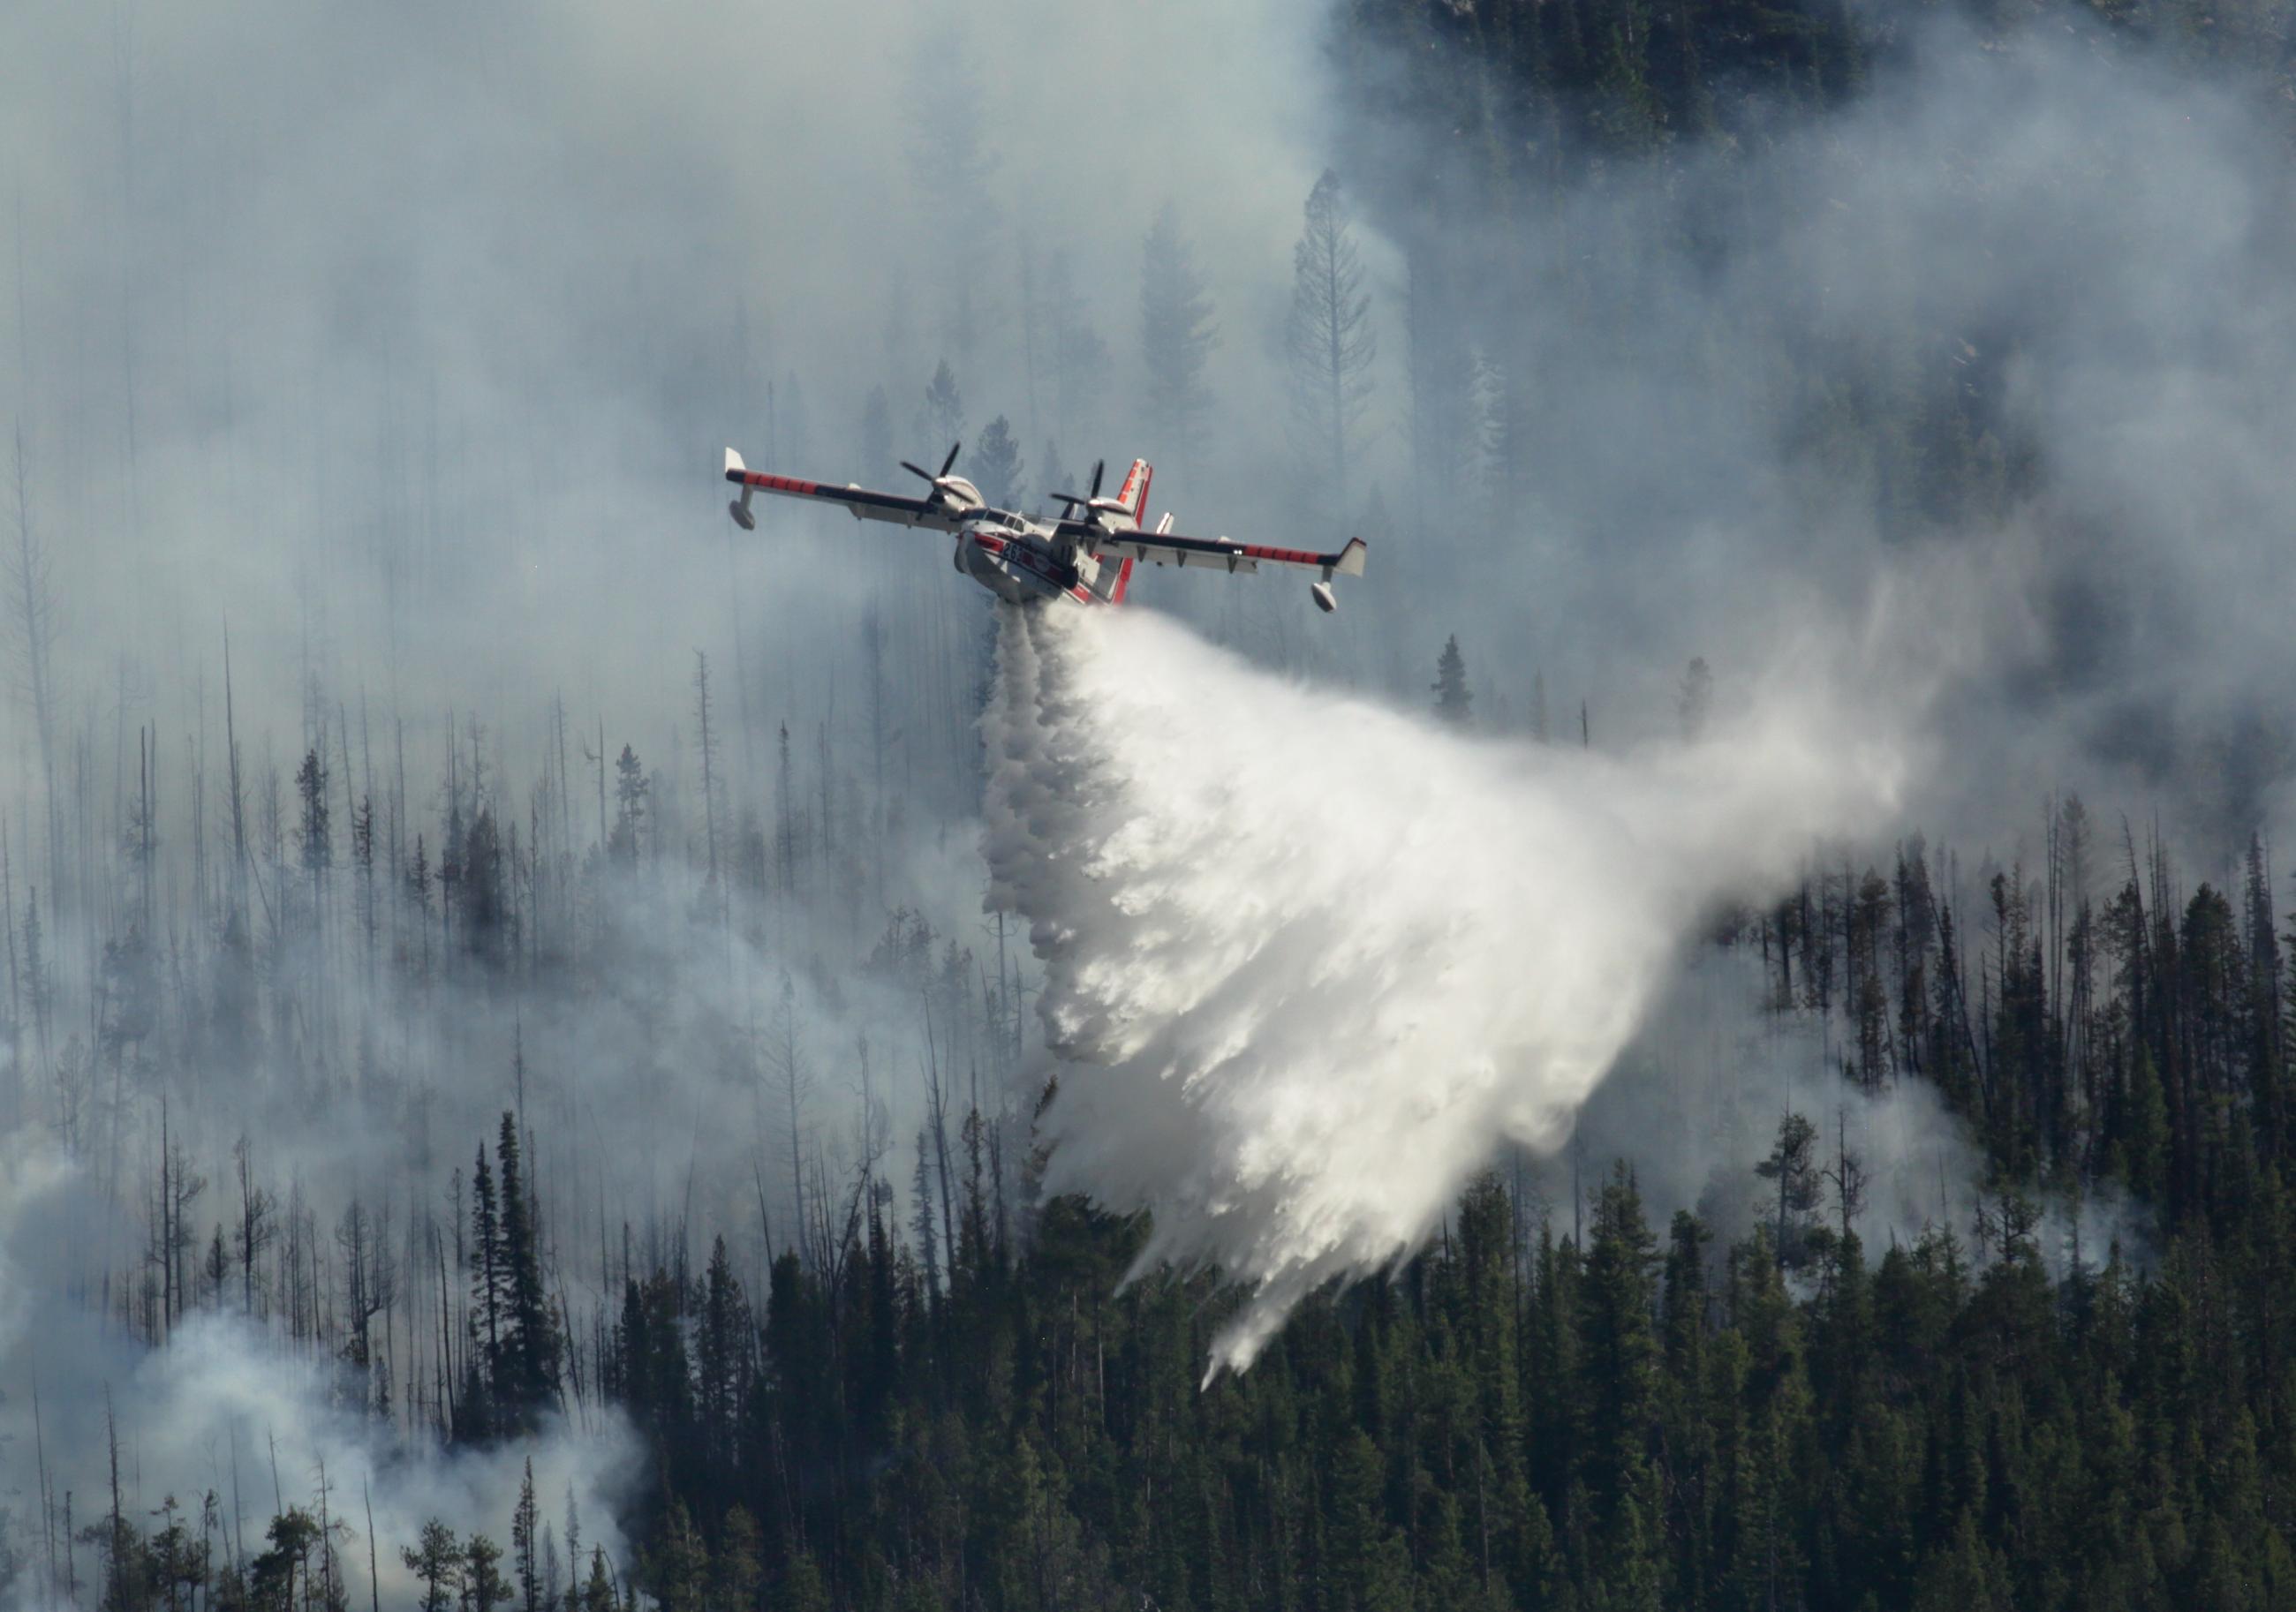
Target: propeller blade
{"points": [[1098, 465], [951, 457], [913, 471], [1070, 499]]}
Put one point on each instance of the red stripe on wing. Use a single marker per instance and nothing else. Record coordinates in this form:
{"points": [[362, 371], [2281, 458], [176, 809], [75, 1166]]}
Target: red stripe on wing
{"points": [[782, 484]]}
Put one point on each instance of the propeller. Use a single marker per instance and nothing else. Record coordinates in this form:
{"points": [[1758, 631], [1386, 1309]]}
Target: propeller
{"points": [[946, 466], [1099, 467]]}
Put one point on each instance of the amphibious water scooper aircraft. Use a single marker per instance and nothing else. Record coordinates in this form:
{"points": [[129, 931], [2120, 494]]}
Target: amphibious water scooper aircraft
{"points": [[1086, 555]]}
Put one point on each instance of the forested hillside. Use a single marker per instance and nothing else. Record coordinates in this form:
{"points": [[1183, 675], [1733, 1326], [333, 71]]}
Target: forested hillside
{"points": [[941, 1392], [967, 1409], [624, 1143]]}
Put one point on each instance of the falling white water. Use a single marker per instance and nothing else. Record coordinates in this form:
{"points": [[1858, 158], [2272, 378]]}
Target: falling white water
{"points": [[1312, 960]]}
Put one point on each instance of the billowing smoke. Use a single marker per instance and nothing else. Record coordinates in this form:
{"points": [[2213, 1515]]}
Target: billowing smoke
{"points": [[1321, 959], [1700, 1096], [405, 352], [230, 1411]]}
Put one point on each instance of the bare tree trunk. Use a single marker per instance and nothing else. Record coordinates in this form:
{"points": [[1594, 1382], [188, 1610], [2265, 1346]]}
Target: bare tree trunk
{"points": [[33, 605]]}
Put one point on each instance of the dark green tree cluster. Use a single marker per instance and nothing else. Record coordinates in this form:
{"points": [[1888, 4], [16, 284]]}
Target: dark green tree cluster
{"points": [[1519, 1420], [2094, 1021], [510, 1371]]}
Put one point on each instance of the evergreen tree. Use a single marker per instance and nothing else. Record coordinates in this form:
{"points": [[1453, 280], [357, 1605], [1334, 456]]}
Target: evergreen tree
{"points": [[995, 465], [1617, 1301], [317, 839], [1329, 341], [1793, 1164], [631, 787], [476, 1416], [1451, 697], [1176, 337], [678, 1570], [526, 1366], [944, 407], [598, 1589], [437, 1560], [485, 892], [877, 451], [484, 1588], [523, 1546]]}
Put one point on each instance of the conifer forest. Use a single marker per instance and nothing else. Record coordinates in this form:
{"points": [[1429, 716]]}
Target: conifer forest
{"points": [[1722, 1037]]}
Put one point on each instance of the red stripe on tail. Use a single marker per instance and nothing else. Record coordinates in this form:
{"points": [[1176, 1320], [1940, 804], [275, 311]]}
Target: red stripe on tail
{"points": [[1134, 495]]}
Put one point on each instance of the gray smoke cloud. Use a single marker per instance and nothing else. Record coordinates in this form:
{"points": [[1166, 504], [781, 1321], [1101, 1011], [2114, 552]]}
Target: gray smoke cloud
{"points": [[2060, 237], [1695, 1102], [226, 1409], [402, 350], [403, 347]]}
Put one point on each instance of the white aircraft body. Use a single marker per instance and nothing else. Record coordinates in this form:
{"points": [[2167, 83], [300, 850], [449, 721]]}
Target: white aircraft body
{"points": [[1086, 555]]}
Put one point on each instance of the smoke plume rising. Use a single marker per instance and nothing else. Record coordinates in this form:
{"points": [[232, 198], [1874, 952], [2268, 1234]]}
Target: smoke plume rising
{"points": [[229, 1410]]}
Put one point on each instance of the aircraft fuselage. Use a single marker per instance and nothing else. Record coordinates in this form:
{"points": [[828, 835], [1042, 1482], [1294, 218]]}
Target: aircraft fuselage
{"points": [[1026, 565]]}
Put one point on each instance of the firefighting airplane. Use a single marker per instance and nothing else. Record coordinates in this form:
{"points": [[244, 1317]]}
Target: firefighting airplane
{"points": [[1086, 555]]}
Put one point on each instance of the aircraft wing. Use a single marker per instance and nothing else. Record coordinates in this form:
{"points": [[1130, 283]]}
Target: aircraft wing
{"points": [[1164, 548], [863, 504]]}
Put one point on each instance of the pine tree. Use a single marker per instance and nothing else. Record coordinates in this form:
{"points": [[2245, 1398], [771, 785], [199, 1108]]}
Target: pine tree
{"points": [[437, 1560], [485, 893], [523, 1543], [317, 839], [484, 1587], [1452, 698], [997, 466], [630, 789], [293, 1534], [526, 1376], [1176, 337], [877, 452], [679, 1566], [1617, 1302], [1328, 341], [487, 1290], [1079, 357], [598, 1590], [419, 885], [721, 1351], [1793, 1164], [944, 416]]}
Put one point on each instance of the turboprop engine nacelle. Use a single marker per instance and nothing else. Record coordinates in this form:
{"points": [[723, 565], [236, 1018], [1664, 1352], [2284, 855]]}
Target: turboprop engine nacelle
{"points": [[956, 494]]}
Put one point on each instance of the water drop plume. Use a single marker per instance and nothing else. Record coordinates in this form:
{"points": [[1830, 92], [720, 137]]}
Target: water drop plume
{"points": [[1309, 960]]}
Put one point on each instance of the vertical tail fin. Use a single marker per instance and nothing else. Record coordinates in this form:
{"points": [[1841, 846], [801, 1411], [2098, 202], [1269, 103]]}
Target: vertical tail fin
{"points": [[1134, 493]]}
